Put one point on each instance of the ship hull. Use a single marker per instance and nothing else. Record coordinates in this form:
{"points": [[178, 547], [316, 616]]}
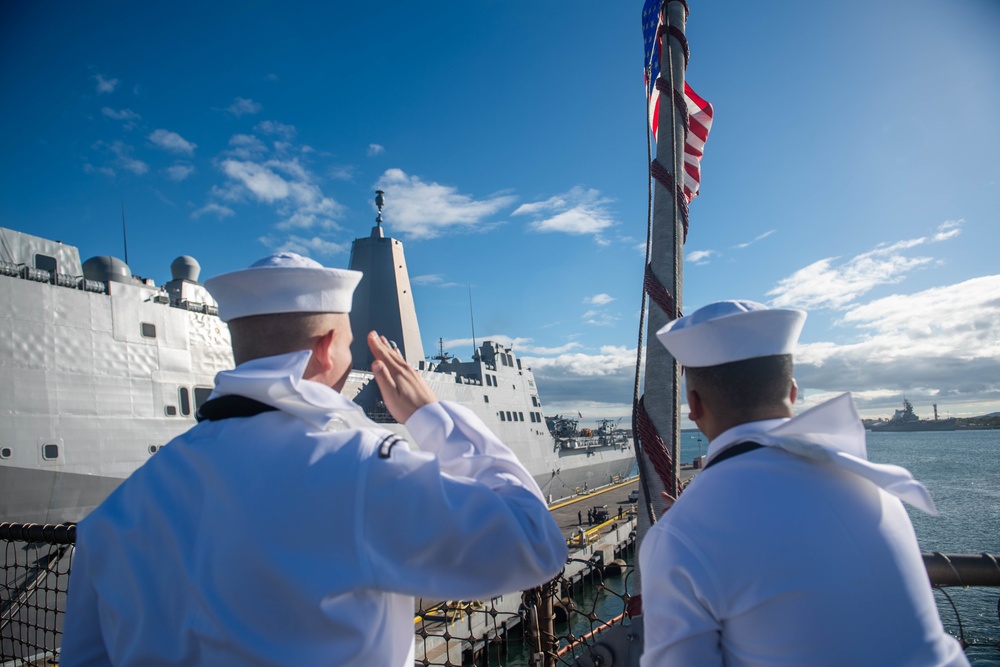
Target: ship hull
{"points": [[911, 427], [96, 376]]}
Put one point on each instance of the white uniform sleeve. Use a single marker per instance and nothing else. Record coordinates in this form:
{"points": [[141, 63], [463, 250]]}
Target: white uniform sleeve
{"points": [[466, 448], [82, 643], [678, 624], [461, 519]]}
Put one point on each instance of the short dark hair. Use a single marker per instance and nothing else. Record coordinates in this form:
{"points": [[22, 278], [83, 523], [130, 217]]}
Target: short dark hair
{"points": [[743, 387]]}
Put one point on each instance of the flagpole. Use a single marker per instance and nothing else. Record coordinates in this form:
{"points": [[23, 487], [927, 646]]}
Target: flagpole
{"points": [[658, 413]]}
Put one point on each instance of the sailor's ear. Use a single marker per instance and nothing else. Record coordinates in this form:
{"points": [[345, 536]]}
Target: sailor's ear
{"points": [[323, 350], [793, 393], [695, 407]]}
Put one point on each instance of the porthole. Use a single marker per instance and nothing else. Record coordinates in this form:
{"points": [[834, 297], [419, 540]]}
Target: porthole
{"points": [[170, 410], [152, 449], [147, 329], [6, 453], [50, 451], [184, 395]]}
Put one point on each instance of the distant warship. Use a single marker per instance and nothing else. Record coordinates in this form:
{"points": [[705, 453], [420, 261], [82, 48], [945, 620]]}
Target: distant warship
{"points": [[906, 421], [99, 368]]}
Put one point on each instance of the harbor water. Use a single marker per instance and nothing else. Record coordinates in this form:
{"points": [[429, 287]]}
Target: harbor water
{"points": [[961, 469]]}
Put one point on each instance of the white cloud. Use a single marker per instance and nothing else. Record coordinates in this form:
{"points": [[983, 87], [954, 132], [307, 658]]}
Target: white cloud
{"points": [[433, 280], [759, 237], [105, 85], [569, 377], [519, 345], [427, 210], [286, 184], [214, 209], [246, 147], [273, 127], [701, 256], [280, 177], [305, 246], [600, 318], [375, 149], [128, 117], [599, 299], [261, 182], [172, 142], [597, 382], [939, 344], [948, 230], [539, 350], [825, 284], [242, 106], [179, 172], [124, 159], [579, 211], [963, 318], [91, 169], [342, 172]]}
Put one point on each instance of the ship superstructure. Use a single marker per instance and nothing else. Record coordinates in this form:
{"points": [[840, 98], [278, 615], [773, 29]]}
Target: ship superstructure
{"points": [[906, 420], [99, 368]]}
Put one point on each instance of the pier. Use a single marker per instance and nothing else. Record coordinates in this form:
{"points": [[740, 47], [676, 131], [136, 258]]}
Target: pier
{"points": [[599, 527]]}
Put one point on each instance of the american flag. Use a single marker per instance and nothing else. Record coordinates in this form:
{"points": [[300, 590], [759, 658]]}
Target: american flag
{"points": [[699, 111]]}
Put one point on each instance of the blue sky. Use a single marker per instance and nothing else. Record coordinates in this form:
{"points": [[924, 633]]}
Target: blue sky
{"points": [[852, 168]]}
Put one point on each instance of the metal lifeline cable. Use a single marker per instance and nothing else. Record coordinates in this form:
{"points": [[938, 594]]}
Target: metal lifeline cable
{"points": [[640, 459]]}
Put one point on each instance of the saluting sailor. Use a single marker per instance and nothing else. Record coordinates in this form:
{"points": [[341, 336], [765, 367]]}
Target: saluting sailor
{"points": [[790, 548], [288, 529]]}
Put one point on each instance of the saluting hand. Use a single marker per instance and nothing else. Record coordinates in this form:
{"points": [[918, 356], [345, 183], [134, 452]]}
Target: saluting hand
{"points": [[668, 502], [403, 390]]}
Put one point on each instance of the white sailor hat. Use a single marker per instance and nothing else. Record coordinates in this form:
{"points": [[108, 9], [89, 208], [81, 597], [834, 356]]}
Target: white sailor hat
{"points": [[727, 331], [283, 283]]}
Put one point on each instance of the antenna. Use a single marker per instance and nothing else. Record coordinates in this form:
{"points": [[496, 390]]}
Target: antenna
{"points": [[124, 232], [472, 316], [379, 202], [442, 356]]}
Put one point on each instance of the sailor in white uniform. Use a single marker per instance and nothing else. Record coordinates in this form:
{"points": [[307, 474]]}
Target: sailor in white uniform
{"points": [[286, 528], [790, 547]]}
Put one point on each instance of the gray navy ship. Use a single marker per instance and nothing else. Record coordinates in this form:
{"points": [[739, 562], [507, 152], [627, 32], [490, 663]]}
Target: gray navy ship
{"points": [[99, 368], [906, 421]]}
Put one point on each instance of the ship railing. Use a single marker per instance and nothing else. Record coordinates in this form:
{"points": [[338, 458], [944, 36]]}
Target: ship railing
{"points": [[66, 280], [196, 306], [579, 618]]}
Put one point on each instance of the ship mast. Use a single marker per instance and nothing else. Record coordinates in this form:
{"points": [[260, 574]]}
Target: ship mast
{"points": [[656, 416]]}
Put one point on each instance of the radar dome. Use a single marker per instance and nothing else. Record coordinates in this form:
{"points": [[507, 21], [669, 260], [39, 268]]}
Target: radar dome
{"points": [[185, 267], [107, 269]]}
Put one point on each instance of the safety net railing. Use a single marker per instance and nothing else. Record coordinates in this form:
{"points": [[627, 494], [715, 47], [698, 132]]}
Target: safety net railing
{"points": [[580, 618]]}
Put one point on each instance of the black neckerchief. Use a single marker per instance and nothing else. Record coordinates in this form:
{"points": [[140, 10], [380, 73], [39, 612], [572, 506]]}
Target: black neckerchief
{"points": [[730, 452], [231, 405]]}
